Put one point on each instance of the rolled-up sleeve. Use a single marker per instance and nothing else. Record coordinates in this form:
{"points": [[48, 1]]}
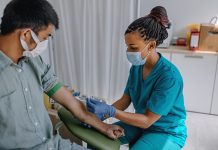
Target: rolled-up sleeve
{"points": [[50, 82]]}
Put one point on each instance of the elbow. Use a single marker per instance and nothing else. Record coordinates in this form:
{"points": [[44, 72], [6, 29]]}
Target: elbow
{"points": [[82, 116], [146, 125]]}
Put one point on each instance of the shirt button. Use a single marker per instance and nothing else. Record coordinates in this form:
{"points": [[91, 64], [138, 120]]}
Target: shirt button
{"points": [[44, 138], [30, 107], [36, 123], [26, 89], [19, 70]]}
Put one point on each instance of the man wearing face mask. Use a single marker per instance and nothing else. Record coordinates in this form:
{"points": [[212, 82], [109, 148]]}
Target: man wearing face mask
{"points": [[155, 87], [40, 46], [24, 77]]}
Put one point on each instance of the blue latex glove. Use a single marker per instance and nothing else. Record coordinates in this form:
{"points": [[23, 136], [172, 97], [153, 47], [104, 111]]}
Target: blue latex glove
{"points": [[100, 109], [76, 94]]}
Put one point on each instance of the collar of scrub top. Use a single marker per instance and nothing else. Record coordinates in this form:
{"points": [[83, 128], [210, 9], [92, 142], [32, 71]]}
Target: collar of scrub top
{"points": [[5, 61]]}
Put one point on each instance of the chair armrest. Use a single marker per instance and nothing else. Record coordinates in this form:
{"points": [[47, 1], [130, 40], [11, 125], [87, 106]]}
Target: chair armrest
{"points": [[58, 126]]}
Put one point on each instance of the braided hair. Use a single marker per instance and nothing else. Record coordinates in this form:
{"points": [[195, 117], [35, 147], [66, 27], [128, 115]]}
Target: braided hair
{"points": [[153, 26]]}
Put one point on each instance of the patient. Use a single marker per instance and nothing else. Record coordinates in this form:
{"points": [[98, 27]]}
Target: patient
{"points": [[24, 77]]}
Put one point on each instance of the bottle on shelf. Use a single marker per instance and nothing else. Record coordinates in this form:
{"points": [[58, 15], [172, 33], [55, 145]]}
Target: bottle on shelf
{"points": [[194, 39]]}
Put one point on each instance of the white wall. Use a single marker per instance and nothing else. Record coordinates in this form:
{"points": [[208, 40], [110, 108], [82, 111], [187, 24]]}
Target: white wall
{"points": [[183, 12], [180, 12], [3, 3]]}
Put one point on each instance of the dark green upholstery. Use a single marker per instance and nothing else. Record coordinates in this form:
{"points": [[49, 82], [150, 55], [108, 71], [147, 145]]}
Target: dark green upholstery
{"points": [[92, 137]]}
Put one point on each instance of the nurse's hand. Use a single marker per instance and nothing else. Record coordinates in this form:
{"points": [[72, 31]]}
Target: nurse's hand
{"points": [[100, 109]]}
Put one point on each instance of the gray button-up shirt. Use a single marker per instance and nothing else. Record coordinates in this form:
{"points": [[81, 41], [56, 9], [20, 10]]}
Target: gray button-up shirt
{"points": [[24, 121]]}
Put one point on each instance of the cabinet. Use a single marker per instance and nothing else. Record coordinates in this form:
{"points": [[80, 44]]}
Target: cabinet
{"points": [[214, 109], [198, 72]]}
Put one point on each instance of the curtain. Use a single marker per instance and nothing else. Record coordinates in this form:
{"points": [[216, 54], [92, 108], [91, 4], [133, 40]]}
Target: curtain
{"points": [[89, 51]]}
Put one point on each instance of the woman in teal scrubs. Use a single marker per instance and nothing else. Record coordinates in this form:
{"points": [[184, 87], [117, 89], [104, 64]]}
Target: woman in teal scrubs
{"points": [[155, 87]]}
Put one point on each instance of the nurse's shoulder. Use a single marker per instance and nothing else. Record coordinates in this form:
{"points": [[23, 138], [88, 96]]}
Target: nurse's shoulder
{"points": [[169, 70]]}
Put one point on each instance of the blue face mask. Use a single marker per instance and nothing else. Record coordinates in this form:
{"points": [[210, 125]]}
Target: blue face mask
{"points": [[135, 58]]}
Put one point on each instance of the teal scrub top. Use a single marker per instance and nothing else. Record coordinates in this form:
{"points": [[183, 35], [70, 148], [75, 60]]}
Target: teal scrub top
{"points": [[161, 93]]}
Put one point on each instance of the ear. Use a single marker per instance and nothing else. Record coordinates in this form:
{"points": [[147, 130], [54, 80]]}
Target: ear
{"points": [[25, 34], [152, 45]]}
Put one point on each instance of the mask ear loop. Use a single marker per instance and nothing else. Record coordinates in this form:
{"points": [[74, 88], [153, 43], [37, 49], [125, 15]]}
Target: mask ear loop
{"points": [[35, 38], [149, 52]]}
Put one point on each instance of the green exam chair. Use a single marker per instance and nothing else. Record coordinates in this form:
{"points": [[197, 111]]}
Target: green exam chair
{"points": [[93, 138]]}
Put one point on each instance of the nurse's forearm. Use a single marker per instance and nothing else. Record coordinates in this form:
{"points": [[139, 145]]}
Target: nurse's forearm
{"points": [[123, 103], [138, 120]]}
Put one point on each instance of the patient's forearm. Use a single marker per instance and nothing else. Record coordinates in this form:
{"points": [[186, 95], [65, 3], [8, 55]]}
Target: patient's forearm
{"points": [[84, 116], [77, 108]]}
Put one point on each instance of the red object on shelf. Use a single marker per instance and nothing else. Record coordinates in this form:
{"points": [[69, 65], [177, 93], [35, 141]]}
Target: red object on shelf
{"points": [[181, 42], [194, 40]]}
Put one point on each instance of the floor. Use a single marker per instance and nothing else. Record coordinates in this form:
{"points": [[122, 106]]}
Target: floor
{"points": [[202, 132]]}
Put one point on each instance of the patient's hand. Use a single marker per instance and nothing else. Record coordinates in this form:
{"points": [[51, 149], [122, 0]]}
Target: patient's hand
{"points": [[114, 131]]}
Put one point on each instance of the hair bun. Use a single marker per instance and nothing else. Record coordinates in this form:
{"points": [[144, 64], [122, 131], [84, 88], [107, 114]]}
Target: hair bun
{"points": [[160, 14]]}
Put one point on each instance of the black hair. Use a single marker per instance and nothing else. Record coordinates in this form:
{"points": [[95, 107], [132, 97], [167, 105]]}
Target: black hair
{"points": [[153, 26], [34, 14]]}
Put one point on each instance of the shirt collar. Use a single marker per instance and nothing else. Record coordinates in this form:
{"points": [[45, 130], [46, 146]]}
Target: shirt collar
{"points": [[4, 61]]}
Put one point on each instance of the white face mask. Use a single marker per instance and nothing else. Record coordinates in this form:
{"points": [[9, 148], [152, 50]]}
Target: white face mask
{"points": [[135, 57], [39, 49]]}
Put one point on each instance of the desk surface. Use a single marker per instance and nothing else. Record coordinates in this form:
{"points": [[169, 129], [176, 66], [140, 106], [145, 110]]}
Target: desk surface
{"points": [[90, 136], [184, 49]]}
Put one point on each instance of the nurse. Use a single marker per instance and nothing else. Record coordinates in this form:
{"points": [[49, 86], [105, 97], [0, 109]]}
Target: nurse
{"points": [[155, 87]]}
